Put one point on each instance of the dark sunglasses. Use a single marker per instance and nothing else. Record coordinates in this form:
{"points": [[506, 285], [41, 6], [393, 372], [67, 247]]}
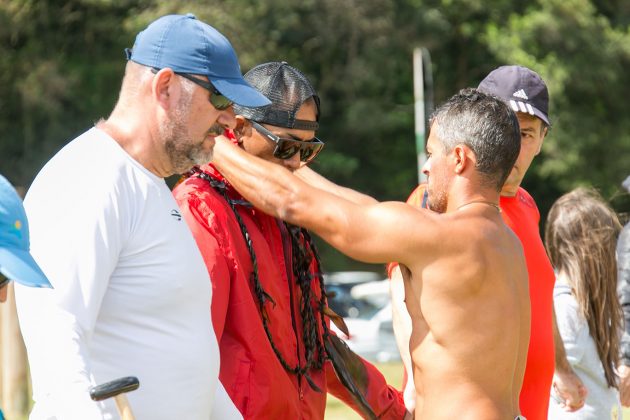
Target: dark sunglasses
{"points": [[287, 148], [217, 99]]}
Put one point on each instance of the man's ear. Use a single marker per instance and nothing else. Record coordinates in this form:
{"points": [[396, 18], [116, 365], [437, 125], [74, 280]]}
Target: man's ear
{"points": [[243, 128], [163, 88], [461, 158]]}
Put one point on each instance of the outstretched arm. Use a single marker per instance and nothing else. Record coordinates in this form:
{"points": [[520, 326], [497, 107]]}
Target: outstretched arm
{"points": [[356, 230], [316, 180]]}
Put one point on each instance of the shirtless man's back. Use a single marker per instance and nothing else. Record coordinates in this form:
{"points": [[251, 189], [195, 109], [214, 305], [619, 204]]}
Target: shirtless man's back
{"points": [[466, 287]]}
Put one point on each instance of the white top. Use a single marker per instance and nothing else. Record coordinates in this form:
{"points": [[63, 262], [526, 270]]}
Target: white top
{"points": [[131, 292], [602, 402]]}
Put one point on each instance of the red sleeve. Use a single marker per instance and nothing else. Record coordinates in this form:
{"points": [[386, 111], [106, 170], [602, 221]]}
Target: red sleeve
{"points": [[415, 199], [386, 401], [197, 214]]}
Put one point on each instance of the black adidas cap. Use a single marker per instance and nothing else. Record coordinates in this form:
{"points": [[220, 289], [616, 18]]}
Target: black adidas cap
{"points": [[522, 88]]}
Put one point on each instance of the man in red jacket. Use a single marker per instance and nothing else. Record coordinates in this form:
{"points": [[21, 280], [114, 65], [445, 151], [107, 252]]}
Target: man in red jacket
{"points": [[269, 304]]}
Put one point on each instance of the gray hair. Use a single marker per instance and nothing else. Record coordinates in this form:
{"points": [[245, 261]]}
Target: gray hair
{"points": [[487, 126]]}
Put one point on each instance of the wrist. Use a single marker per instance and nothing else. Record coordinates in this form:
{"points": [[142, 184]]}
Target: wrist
{"points": [[563, 368]]}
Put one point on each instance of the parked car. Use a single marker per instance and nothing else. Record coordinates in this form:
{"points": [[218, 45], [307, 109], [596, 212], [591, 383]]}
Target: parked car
{"points": [[363, 300]]}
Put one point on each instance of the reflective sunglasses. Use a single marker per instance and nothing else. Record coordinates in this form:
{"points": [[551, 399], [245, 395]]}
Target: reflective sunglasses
{"points": [[286, 148], [217, 99]]}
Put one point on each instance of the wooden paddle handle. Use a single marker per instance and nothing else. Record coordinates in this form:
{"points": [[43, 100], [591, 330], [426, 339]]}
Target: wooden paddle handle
{"points": [[123, 407]]}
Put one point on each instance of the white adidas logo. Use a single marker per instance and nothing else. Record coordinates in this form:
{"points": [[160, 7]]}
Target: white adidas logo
{"points": [[520, 94]]}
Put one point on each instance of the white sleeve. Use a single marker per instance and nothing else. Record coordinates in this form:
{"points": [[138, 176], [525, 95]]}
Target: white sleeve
{"points": [[77, 246], [571, 326], [223, 408]]}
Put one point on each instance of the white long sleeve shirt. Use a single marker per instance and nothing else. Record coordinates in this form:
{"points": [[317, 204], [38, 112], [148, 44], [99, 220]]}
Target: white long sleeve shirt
{"points": [[131, 292], [602, 401]]}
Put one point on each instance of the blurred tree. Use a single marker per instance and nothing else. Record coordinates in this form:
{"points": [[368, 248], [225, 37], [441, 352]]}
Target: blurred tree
{"points": [[582, 57], [61, 64]]}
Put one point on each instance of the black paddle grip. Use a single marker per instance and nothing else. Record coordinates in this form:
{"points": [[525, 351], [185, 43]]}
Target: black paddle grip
{"points": [[113, 388]]}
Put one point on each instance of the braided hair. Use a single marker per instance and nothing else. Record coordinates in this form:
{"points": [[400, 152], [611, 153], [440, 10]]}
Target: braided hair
{"points": [[304, 253]]}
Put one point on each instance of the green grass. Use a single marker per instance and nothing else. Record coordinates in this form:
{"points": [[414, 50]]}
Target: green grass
{"points": [[336, 410]]}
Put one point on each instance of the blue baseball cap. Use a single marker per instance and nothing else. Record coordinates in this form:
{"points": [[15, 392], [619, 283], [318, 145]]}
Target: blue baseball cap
{"points": [[187, 45], [16, 262]]}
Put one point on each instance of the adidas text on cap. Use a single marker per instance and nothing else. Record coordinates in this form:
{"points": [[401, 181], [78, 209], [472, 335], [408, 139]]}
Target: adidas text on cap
{"points": [[187, 45], [523, 89]]}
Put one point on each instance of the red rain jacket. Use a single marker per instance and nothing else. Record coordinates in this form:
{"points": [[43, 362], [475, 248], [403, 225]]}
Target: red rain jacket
{"points": [[250, 371]]}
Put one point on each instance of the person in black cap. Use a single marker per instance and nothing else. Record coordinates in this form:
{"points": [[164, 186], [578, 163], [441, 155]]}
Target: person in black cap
{"points": [[623, 267], [465, 267], [131, 290], [526, 93], [269, 305]]}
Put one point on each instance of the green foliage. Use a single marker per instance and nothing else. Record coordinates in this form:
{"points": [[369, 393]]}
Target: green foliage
{"points": [[61, 64]]}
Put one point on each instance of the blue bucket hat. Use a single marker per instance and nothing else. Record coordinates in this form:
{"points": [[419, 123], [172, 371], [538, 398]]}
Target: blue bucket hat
{"points": [[187, 45], [16, 262]]}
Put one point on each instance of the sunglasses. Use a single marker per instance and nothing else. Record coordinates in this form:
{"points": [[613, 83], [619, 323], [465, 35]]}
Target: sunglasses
{"points": [[287, 148], [217, 99]]}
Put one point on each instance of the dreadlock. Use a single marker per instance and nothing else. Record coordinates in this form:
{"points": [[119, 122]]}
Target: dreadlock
{"points": [[304, 253]]}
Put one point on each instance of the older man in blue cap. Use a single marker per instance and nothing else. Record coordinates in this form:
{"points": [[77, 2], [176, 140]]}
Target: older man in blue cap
{"points": [[16, 262], [131, 291]]}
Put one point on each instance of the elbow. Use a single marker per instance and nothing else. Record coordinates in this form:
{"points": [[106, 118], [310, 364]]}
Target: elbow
{"points": [[290, 207]]}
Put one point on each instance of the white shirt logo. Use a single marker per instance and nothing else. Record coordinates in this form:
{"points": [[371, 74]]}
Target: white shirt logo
{"points": [[520, 94]]}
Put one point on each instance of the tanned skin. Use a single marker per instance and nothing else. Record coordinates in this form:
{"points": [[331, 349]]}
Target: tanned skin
{"points": [[466, 279]]}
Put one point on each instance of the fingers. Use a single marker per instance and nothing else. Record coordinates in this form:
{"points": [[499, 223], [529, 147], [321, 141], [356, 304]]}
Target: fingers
{"points": [[570, 392]]}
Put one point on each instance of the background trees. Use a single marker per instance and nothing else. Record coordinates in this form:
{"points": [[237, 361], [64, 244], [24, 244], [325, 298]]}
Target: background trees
{"points": [[61, 65]]}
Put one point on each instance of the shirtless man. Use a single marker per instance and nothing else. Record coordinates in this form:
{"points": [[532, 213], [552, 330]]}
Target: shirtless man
{"points": [[466, 284]]}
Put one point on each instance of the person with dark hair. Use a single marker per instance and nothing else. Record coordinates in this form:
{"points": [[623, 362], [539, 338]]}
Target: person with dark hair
{"points": [[623, 266], [526, 94], [466, 283], [131, 292], [269, 307], [581, 236]]}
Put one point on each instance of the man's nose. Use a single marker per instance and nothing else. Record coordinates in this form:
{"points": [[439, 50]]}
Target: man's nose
{"points": [[293, 162], [426, 168], [227, 118]]}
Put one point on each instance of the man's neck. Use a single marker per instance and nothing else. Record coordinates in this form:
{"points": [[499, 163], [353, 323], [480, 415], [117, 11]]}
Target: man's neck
{"points": [[138, 141]]}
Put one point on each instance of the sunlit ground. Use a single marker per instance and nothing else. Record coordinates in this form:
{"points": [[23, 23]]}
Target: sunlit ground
{"points": [[336, 410]]}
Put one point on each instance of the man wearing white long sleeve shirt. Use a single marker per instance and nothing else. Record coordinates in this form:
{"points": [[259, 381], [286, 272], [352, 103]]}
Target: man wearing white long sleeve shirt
{"points": [[131, 292]]}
